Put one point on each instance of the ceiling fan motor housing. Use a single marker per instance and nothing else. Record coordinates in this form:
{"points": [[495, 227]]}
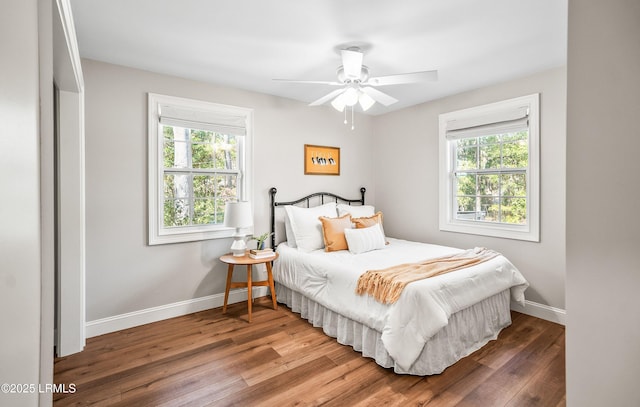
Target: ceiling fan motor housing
{"points": [[342, 77]]}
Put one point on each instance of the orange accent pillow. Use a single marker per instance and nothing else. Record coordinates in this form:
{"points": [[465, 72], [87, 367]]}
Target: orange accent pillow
{"points": [[367, 222], [333, 232]]}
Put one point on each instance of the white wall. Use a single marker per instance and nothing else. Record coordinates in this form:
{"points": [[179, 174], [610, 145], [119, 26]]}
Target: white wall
{"points": [[124, 274], [603, 260], [406, 153], [20, 203], [397, 156]]}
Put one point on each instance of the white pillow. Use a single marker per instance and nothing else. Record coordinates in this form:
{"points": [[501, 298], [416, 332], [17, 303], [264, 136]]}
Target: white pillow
{"points": [[364, 240], [361, 211], [291, 237], [306, 227]]}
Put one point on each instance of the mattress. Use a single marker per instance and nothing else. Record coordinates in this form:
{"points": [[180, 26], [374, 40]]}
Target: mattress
{"points": [[426, 307]]}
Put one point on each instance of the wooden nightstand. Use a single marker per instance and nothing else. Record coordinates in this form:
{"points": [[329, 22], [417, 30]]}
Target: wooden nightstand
{"points": [[249, 262]]}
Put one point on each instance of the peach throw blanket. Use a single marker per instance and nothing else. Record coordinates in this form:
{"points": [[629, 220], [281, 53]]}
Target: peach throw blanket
{"points": [[386, 285]]}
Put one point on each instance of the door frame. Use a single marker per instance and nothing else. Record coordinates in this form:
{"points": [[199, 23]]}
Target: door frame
{"points": [[69, 199]]}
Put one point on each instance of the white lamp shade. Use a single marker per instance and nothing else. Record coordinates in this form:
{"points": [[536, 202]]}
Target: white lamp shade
{"points": [[238, 214], [338, 103], [351, 96]]}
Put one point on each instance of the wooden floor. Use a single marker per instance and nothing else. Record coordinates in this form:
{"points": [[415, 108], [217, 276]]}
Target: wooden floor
{"points": [[212, 359]]}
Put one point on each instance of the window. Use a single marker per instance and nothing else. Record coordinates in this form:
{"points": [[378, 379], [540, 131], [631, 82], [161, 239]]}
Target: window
{"points": [[489, 169], [197, 163]]}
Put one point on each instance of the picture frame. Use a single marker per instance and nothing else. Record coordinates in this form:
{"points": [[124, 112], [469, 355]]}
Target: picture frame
{"points": [[321, 160]]}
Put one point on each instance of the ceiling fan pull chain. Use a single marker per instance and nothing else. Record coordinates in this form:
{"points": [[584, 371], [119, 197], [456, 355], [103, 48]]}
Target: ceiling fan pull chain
{"points": [[345, 116], [353, 123]]}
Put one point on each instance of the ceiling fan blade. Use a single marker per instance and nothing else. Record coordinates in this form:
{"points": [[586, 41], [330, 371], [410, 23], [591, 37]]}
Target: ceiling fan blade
{"points": [[378, 96], [327, 97], [399, 79], [352, 63], [333, 83]]}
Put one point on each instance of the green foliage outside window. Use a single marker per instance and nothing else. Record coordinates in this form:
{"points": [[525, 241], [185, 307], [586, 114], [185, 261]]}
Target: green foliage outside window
{"points": [[490, 173], [200, 175]]}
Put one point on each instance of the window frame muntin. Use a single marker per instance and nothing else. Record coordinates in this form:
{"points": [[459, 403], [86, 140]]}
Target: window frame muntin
{"points": [[447, 193], [157, 233]]}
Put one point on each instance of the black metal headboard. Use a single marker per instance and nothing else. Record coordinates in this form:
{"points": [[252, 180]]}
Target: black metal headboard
{"points": [[307, 198]]}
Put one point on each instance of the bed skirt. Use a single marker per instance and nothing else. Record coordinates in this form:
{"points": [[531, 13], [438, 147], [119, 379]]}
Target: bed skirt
{"points": [[468, 331]]}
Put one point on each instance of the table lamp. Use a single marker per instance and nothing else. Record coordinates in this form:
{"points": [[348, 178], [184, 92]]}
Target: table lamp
{"points": [[238, 215]]}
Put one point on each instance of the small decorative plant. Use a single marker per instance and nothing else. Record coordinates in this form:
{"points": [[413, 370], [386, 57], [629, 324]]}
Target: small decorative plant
{"points": [[261, 239]]}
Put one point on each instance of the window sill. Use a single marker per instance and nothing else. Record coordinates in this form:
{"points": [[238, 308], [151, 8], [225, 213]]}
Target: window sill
{"points": [[169, 236], [492, 230]]}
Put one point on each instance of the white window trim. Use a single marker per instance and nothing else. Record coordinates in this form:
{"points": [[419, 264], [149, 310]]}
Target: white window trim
{"points": [[157, 233], [447, 220]]}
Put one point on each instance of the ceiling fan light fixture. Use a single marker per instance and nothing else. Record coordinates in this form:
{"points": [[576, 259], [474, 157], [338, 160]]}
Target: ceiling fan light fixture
{"points": [[365, 101], [338, 103], [351, 96]]}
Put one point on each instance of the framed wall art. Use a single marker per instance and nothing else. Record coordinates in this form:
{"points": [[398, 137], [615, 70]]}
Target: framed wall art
{"points": [[321, 160]]}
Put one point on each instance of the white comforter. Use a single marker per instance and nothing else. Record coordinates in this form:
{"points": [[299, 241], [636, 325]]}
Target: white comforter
{"points": [[424, 306]]}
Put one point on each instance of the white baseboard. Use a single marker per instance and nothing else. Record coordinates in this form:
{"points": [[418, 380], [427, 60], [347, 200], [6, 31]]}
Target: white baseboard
{"points": [[542, 311], [145, 316]]}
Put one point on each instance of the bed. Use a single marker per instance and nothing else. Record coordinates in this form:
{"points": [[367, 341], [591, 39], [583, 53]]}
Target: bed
{"points": [[434, 323]]}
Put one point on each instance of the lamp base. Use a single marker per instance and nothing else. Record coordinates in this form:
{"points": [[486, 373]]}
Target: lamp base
{"points": [[239, 247], [239, 253]]}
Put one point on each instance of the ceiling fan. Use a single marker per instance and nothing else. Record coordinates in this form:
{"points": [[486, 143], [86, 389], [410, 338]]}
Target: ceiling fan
{"points": [[357, 87]]}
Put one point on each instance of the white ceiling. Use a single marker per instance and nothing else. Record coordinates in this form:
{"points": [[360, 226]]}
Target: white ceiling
{"points": [[247, 43]]}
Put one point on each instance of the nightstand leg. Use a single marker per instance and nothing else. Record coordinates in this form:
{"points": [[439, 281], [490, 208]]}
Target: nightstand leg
{"points": [[272, 287], [226, 290], [249, 293]]}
